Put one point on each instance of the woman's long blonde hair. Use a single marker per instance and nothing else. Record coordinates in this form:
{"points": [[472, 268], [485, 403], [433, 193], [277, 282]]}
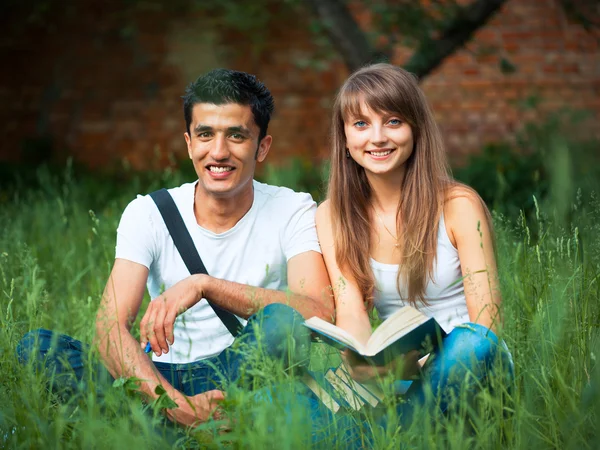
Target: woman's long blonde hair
{"points": [[389, 89]]}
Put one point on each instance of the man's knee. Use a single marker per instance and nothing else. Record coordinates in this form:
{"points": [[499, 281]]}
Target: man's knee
{"points": [[282, 333], [52, 352], [280, 314], [34, 345], [279, 321]]}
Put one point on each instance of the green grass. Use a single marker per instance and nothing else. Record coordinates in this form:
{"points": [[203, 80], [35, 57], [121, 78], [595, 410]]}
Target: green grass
{"points": [[57, 247]]}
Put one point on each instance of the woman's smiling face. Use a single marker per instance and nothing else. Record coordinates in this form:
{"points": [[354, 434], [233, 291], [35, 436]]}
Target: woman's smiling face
{"points": [[379, 142]]}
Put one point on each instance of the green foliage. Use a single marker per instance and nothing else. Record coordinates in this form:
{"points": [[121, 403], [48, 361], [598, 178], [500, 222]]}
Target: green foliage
{"points": [[506, 179], [55, 257], [416, 21], [163, 401], [543, 163], [298, 174]]}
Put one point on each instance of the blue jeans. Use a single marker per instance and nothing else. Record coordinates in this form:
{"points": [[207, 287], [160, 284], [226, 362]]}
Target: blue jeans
{"points": [[276, 330], [464, 362]]}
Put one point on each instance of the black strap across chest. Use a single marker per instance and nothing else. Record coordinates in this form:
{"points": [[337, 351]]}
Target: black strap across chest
{"points": [[186, 248]]}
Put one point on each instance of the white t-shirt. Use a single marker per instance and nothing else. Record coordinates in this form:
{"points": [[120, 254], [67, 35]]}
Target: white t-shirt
{"points": [[279, 225]]}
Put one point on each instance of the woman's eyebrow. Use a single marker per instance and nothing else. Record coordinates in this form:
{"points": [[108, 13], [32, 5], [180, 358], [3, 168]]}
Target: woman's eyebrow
{"points": [[353, 116]]}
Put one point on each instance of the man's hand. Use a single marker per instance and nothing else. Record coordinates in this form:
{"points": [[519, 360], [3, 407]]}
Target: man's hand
{"points": [[157, 324], [194, 410], [403, 367]]}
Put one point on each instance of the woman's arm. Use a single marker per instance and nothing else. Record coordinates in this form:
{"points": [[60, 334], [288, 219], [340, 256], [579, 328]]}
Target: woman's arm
{"points": [[350, 311], [467, 223]]}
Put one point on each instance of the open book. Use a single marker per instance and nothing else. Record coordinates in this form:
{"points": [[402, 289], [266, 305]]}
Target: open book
{"points": [[405, 330]]}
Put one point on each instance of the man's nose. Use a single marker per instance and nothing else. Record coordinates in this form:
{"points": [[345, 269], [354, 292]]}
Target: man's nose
{"points": [[219, 150]]}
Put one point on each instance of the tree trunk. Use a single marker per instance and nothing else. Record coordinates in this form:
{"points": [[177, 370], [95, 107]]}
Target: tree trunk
{"points": [[432, 52], [356, 51], [344, 33]]}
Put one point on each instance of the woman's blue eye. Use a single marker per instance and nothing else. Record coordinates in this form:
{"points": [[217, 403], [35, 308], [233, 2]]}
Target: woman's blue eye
{"points": [[360, 123], [395, 122]]}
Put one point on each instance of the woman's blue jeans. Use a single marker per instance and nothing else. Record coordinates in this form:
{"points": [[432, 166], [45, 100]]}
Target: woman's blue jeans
{"points": [[276, 331], [465, 362]]}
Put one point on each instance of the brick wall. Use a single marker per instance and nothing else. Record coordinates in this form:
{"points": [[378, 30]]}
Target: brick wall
{"points": [[102, 82], [556, 61]]}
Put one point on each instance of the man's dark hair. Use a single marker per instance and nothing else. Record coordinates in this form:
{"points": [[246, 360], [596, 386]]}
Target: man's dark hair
{"points": [[221, 86]]}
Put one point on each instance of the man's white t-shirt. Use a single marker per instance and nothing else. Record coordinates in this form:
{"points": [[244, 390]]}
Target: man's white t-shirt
{"points": [[279, 225]]}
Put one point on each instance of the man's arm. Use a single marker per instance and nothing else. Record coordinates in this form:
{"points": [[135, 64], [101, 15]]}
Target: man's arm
{"points": [[309, 293], [122, 354], [308, 284]]}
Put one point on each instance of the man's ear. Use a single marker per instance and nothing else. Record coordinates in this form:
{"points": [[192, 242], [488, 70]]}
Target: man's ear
{"points": [[263, 148], [188, 141]]}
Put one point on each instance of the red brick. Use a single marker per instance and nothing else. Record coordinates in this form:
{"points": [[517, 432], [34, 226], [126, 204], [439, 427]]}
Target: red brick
{"points": [[511, 47], [550, 68], [120, 97], [518, 36], [471, 71]]}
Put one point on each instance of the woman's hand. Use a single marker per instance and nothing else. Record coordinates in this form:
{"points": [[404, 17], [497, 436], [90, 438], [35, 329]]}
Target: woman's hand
{"points": [[157, 324], [404, 367]]}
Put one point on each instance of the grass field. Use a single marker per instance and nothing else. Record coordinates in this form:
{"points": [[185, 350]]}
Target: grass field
{"points": [[57, 247]]}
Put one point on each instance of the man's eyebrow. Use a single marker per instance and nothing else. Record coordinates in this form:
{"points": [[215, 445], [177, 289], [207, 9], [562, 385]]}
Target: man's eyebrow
{"points": [[201, 128], [239, 129]]}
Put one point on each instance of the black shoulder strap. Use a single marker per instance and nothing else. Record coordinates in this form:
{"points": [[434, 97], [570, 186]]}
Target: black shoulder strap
{"points": [[185, 245]]}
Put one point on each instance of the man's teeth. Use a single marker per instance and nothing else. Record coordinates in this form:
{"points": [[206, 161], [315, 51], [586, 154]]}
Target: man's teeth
{"points": [[220, 169], [387, 152]]}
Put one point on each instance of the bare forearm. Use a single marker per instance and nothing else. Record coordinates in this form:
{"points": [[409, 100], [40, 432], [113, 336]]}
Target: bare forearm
{"points": [[244, 300], [123, 357], [358, 325], [483, 301]]}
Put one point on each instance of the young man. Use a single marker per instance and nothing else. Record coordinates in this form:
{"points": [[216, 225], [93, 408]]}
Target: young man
{"points": [[255, 240]]}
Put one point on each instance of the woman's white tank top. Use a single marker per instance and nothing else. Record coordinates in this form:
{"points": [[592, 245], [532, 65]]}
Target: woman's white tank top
{"points": [[445, 295]]}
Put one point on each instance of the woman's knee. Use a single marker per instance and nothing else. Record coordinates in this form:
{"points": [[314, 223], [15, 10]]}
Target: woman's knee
{"points": [[477, 349]]}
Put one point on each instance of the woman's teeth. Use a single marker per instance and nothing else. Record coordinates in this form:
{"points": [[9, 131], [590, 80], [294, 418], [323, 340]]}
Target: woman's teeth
{"points": [[384, 153], [220, 169]]}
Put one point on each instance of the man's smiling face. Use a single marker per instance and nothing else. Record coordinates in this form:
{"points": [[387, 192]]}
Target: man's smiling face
{"points": [[223, 145]]}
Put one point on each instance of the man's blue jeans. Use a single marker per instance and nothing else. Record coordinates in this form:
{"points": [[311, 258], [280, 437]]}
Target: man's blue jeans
{"points": [[276, 332]]}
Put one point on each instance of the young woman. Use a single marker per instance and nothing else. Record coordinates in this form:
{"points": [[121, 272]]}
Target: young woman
{"points": [[396, 229]]}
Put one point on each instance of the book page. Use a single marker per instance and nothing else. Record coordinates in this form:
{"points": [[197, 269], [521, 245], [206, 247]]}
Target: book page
{"points": [[337, 333], [344, 390], [321, 394], [387, 340], [366, 393], [395, 326]]}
